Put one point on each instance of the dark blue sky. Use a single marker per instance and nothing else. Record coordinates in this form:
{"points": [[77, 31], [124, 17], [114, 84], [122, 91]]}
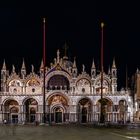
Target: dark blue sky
{"points": [[77, 23]]}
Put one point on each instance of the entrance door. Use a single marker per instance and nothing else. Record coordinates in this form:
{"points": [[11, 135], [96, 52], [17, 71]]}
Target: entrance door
{"points": [[32, 114], [84, 115], [84, 110], [14, 118], [32, 118], [58, 115]]}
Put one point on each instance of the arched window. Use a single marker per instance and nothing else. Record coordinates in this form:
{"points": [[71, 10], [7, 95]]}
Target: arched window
{"points": [[83, 85], [57, 82], [15, 83], [33, 82]]}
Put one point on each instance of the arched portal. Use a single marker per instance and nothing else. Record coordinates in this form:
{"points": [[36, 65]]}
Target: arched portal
{"points": [[107, 109], [11, 110], [30, 107], [122, 111], [84, 110], [58, 106]]}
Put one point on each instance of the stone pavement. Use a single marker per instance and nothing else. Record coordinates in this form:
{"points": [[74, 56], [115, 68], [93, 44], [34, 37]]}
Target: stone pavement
{"points": [[66, 132]]}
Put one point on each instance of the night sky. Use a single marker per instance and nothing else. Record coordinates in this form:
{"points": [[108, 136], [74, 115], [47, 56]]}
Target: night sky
{"points": [[78, 24]]}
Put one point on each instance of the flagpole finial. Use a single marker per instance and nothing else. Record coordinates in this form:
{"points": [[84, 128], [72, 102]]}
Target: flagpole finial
{"points": [[102, 24], [44, 19]]}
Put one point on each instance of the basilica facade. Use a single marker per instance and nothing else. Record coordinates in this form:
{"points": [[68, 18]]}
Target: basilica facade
{"points": [[70, 96]]}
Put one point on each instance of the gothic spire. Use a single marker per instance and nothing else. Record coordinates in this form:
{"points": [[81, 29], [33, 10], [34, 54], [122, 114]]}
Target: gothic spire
{"points": [[42, 64], [58, 56], [93, 69], [32, 68], [23, 70], [74, 69], [74, 63], [4, 65], [109, 71], [23, 65], [137, 71], [13, 69], [114, 65], [93, 65], [83, 68]]}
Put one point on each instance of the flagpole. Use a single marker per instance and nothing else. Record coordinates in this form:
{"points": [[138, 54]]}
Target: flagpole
{"points": [[126, 80], [44, 62], [102, 117]]}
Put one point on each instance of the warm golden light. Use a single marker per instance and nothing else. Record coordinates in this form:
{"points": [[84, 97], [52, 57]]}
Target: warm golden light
{"points": [[102, 24]]}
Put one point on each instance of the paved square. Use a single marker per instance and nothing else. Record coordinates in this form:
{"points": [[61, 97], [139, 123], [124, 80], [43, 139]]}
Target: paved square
{"points": [[66, 132]]}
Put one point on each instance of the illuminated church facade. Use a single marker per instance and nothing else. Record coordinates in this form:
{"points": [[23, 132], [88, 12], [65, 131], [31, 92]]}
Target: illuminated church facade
{"points": [[70, 96]]}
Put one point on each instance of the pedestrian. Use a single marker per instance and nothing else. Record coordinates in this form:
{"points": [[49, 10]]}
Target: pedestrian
{"points": [[5, 121]]}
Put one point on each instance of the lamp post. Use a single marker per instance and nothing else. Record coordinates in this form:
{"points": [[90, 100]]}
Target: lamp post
{"points": [[102, 115]]}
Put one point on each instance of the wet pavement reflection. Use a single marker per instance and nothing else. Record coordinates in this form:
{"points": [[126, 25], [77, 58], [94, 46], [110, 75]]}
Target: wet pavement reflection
{"points": [[66, 132]]}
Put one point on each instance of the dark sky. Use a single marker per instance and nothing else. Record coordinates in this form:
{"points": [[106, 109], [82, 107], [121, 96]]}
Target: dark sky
{"points": [[77, 23]]}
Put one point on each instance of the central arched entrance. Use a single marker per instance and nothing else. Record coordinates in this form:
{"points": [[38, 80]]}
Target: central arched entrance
{"points": [[58, 115], [58, 106], [84, 110]]}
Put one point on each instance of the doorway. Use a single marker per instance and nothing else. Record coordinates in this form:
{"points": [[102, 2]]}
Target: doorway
{"points": [[84, 110], [84, 115], [58, 115], [14, 118], [32, 114]]}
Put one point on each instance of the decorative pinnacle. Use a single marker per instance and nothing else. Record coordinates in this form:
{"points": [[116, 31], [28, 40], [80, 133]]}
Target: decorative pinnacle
{"points": [[4, 65], [13, 68], [102, 24], [42, 64], [114, 65], [74, 63], [93, 64], [32, 68], [23, 64]]}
